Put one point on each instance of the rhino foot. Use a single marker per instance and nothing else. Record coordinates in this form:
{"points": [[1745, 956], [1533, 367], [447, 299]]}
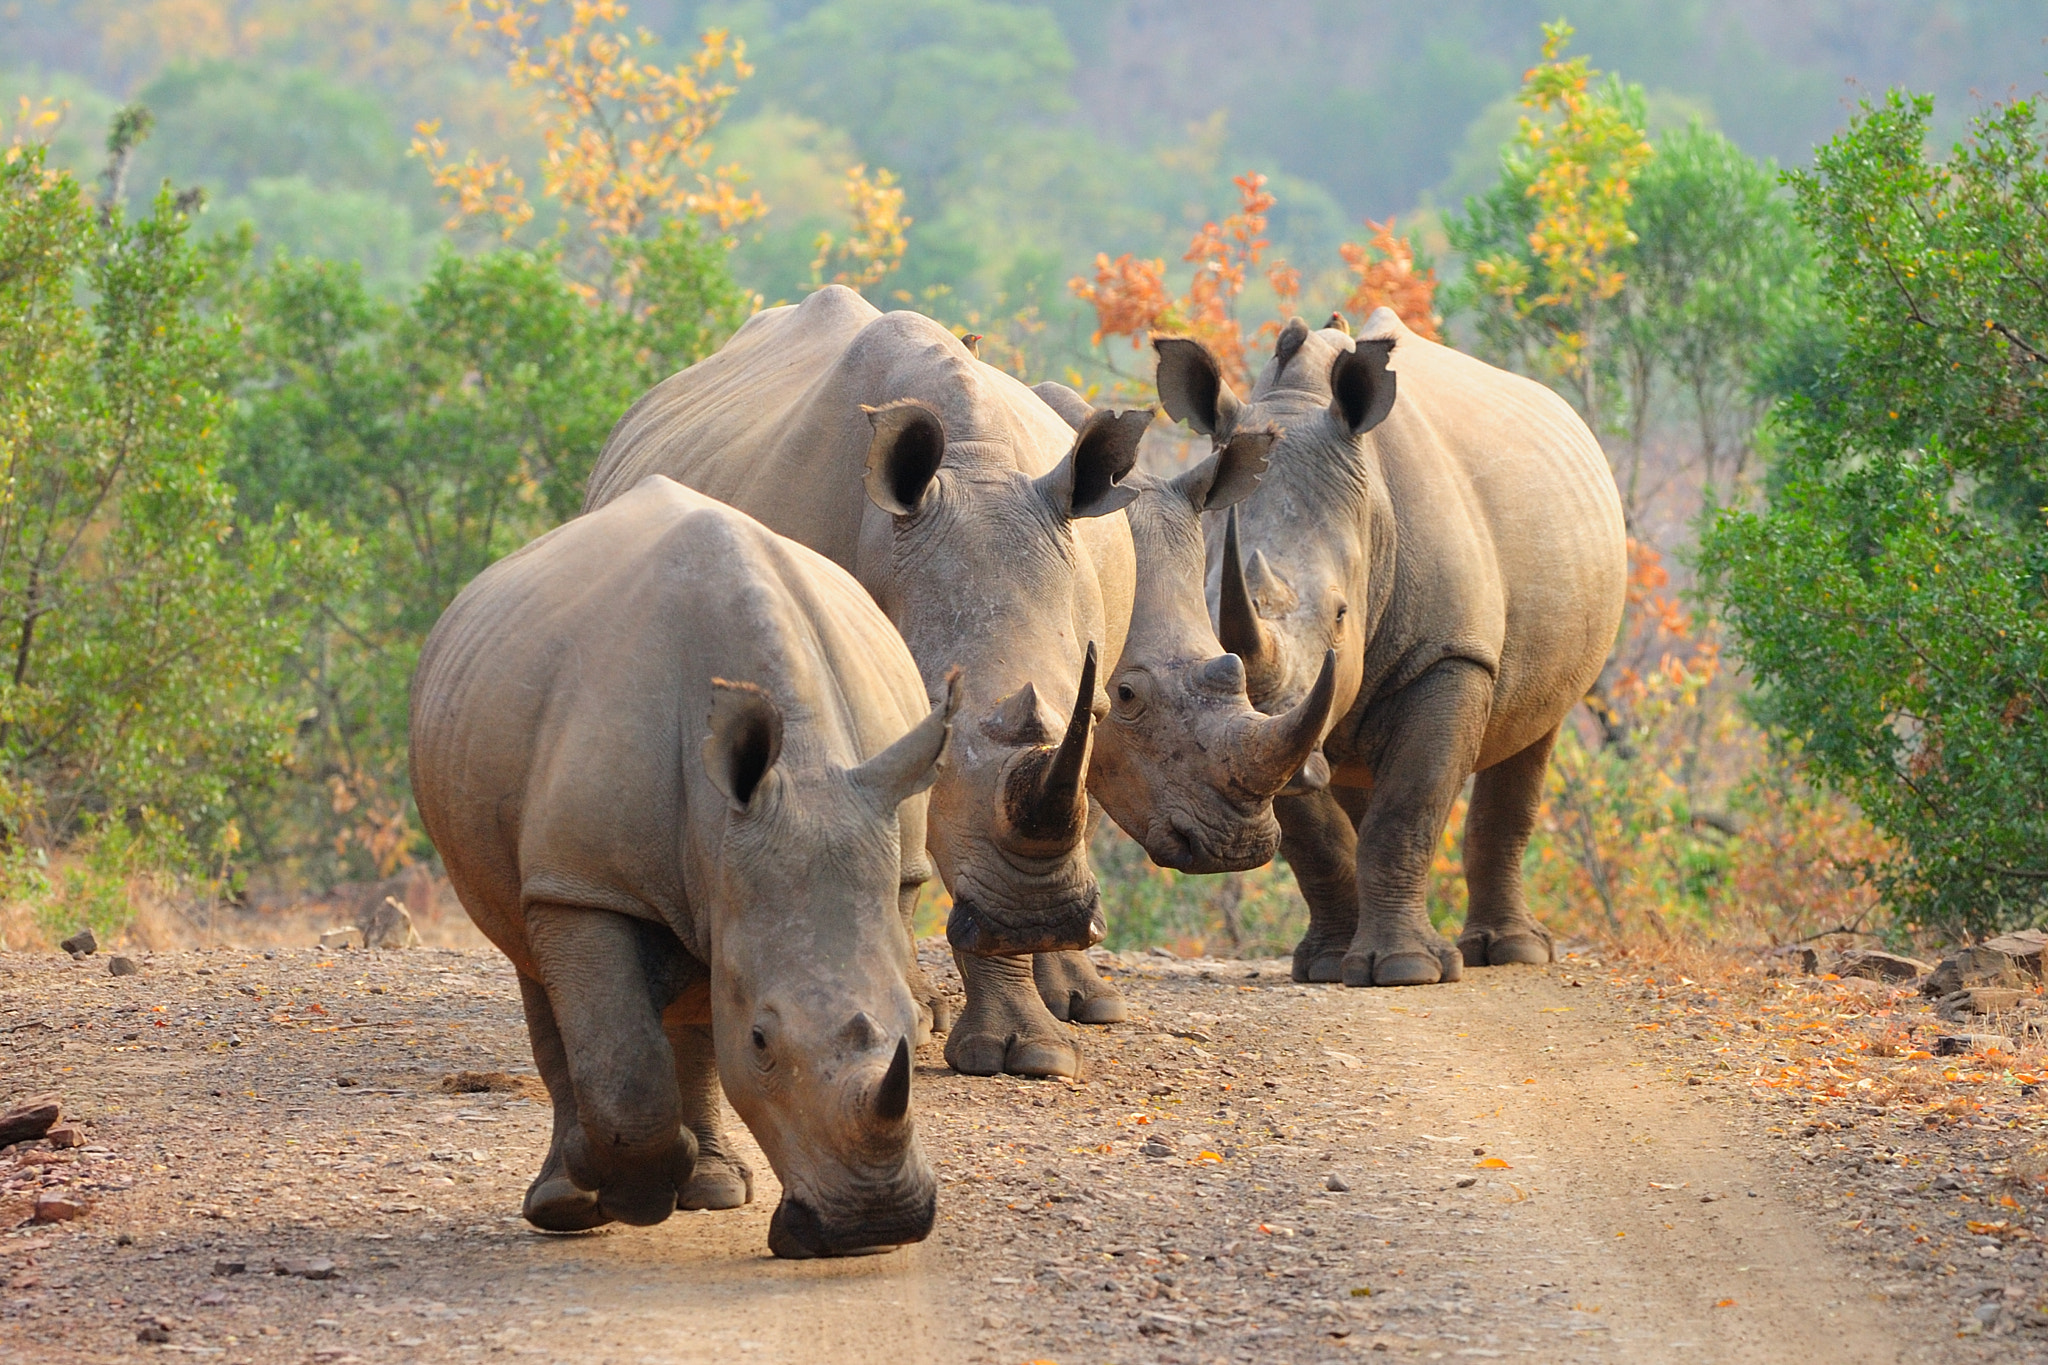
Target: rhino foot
{"points": [[554, 1204], [1006, 1026], [718, 1182], [1518, 945], [987, 1054], [1074, 991], [1426, 966], [1316, 960]]}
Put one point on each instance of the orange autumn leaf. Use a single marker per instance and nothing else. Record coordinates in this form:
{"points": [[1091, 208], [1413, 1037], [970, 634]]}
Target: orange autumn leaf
{"points": [[1492, 1163]]}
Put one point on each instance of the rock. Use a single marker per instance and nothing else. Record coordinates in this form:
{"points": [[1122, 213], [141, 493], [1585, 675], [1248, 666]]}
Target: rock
{"points": [[1982, 965], [390, 926], [479, 1083], [1960, 1044], [1876, 966], [65, 1135], [2026, 948], [155, 1334], [30, 1119], [122, 966], [1467, 1182], [1978, 1000], [227, 1265], [320, 1268], [346, 936], [59, 1206], [1336, 1184], [81, 944]]}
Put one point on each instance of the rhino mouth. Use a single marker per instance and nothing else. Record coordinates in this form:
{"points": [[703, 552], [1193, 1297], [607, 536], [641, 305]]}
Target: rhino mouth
{"points": [[1170, 845], [798, 1233], [973, 930]]}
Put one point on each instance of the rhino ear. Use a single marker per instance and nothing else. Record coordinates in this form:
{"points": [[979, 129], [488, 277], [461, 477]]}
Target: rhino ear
{"points": [[744, 742], [911, 764], [1072, 407], [1191, 387], [909, 441], [1231, 473], [1361, 386], [1089, 481]]}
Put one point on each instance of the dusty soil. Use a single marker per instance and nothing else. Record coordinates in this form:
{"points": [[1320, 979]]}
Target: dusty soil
{"points": [[1564, 1164]]}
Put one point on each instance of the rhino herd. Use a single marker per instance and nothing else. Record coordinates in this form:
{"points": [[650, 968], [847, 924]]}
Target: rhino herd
{"points": [[847, 606]]}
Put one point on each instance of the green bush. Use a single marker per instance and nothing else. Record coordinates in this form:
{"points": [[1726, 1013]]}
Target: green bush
{"points": [[1892, 597]]}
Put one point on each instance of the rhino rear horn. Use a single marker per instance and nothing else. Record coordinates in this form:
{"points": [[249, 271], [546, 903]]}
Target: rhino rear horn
{"points": [[1073, 409], [1231, 473], [1361, 386], [1089, 481], [903, 456], [744, 742], [1192, 389], [912, 763], [892, 1096]]}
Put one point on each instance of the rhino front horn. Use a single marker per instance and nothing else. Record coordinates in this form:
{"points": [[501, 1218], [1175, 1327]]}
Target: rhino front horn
{"points": [[1045, 804], [892, 1098], [1275, 750], [1237, 621]]}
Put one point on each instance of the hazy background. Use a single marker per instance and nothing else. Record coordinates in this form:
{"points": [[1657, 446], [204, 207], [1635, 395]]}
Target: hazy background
{"points": [[1029, 135]]}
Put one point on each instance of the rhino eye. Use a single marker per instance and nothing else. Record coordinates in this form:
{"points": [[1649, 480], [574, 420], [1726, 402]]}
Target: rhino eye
{"points": [[1342, 612], [760, 1040], [1125, 693]]}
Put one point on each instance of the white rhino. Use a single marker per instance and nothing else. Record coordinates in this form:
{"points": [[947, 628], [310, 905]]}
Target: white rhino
{"points": [[1458, 541], [988, 530], [673, 763]]}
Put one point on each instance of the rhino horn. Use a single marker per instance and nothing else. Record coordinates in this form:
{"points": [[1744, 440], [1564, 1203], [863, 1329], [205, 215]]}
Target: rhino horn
{"points": [[1275, 751], [892, 1097], [1050, 805], [1223, 674], [911, 764], [1237, 619]]}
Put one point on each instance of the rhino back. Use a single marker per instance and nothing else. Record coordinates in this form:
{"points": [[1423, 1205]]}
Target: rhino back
{"points": [[1511, 542], [560, 703]]}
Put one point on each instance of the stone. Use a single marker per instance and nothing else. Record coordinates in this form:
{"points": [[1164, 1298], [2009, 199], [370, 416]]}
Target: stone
{"points": [[479, 1083], [1336, 1184], [230, 1265], [155, 1334], [390, 926], [1961, 1044], [65, 1135], [1977, 1000], [122, 966], [1875, 966], [30, 1119], [59, 1206], [1156, 1147], [2026, 948], [342, 936], [320, 1268], [81, 944], [1982, 965]]}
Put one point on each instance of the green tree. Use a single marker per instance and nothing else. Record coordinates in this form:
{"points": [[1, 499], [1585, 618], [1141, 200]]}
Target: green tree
{"points": [[146, 626], [1544, 245], [1892, 597], [1719, 269], [440, 433]]}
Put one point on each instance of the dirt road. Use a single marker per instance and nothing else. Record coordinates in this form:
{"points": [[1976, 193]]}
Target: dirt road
{"points": [[1253, 1170]]}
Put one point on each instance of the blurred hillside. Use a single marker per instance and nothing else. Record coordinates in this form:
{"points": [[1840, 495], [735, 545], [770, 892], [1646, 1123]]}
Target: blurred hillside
{"points": [[1028, 136]]}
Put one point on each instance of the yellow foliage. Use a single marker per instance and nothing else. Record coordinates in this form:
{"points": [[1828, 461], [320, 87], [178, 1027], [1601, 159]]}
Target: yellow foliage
{"points": [[624, 141], [874, 249]]}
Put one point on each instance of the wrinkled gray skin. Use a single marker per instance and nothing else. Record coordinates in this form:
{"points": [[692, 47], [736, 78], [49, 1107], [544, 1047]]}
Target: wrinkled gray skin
{"points": [[984, 526], [673, 763], [1455, 536]]}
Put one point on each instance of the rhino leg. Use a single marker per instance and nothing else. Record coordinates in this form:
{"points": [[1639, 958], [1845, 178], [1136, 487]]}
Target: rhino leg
{"points": [[1074, 991], [1424, 745], [553, 1202], [1499, 929], [720, 1180], [1319, 839], [1006, 1027], [628, 1144]]}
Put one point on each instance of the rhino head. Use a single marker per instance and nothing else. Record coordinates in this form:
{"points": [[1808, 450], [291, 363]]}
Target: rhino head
{"points": [[812, 1016], [1183, 763], [977, 565], [1298, 604]]}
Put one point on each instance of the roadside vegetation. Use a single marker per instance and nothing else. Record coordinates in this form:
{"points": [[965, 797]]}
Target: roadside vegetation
{"points": [[278, 376]]}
